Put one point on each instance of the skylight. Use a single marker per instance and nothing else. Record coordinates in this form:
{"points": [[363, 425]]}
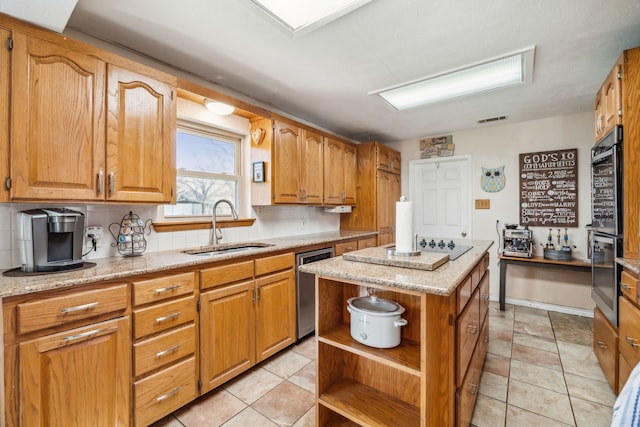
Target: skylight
{"points": [[512, 69], [303, 16]]}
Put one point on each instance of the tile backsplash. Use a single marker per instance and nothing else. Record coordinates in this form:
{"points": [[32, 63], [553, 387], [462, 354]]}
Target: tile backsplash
{"points": [[271, 221]]}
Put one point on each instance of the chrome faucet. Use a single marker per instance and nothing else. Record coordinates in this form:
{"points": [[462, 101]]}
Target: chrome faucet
{"points": [[216, 233]]}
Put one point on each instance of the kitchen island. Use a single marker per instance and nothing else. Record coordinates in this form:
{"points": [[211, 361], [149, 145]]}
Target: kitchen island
{"points": [[432, 377]]}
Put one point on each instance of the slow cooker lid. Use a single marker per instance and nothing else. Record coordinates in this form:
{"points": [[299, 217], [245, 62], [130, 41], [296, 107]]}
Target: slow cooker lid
{"points": [[374, 304]]}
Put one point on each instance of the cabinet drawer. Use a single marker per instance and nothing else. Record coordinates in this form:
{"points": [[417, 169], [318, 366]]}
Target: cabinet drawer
{"points": [[624, 371], [274, 263], [463, 293], [160, 288], [343, 247], [216, 276], [158, 351], [629, 331], [367, 243], [468, 330], [484, 295], [164, 392], [605, 346], [629, 286], [55, 311], [468, 389], [163, 316]]}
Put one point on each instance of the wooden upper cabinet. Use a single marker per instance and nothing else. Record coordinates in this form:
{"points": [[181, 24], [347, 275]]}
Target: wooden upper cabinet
{"points": [[387, 159], [4, 113], [608, 104], [86, 128], [286, 161], [57, 121], [141, 129], [311, 161], [339, 173]]}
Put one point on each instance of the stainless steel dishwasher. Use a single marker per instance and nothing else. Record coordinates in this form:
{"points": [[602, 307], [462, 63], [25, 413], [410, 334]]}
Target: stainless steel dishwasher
{"points": [[305, 290]]}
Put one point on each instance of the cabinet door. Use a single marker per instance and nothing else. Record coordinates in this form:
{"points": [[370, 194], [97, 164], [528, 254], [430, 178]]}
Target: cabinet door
{"points": [[286, 161], [227, 333], [384, 219], [605, 346], [311, 170], [4, 114], [383, 158], [598, 118], [80, 377], [350, 161], [612, 104], [333, 172], [275, 313], [57, 121], [141, 128]]}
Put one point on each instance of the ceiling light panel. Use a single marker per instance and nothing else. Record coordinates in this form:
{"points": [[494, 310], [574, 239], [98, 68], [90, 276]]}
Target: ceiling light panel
{"points": [[498, 73], [302, 16]]}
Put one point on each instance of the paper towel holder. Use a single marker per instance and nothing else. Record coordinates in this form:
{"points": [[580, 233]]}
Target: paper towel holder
{"points": [[392, 251]]}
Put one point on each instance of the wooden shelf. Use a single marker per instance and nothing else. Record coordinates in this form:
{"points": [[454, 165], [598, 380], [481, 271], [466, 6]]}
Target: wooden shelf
{"points": [[405, 357], [367, 406]]}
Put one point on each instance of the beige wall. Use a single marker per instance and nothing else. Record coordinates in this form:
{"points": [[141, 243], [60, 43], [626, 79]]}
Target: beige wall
{"points": [[500, 145]]}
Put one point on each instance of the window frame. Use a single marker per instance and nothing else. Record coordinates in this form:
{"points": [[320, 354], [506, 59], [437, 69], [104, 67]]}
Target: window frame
{"points": [[208, 130]]}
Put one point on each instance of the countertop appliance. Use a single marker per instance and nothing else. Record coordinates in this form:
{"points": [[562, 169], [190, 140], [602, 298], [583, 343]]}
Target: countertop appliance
{"points": [[306, 290], [438, 245], [517, 242], [50, 239], [606, 222]]}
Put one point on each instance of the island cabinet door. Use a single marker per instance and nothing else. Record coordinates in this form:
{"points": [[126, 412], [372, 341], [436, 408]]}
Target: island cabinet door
{"points": [[227, 333], [79, 377]]}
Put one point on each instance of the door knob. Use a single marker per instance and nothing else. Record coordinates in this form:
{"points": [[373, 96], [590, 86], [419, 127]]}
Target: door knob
{"points": [[464, 234]]}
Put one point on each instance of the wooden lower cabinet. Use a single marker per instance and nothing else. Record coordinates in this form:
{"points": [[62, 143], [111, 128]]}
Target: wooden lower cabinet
{"points": [[77, 377], [413, 384], [247, 315], [605, 347], [227, 331]]}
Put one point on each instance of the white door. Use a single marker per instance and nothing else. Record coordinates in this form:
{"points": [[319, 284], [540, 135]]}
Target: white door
{"points": [[441, 192]]}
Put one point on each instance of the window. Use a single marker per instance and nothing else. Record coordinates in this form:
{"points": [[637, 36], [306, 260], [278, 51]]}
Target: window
{"points": [[208, 170]]}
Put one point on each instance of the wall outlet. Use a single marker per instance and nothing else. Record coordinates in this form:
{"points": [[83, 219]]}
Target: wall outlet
{"points": [[94, 231]]}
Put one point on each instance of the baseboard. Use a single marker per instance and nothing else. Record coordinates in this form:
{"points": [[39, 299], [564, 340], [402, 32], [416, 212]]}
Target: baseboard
{"points": [[549, 307]]}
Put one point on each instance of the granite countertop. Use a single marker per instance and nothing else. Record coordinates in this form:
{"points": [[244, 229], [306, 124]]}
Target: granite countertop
{"points": [[150, 262], [441, 281], [631, 264]]}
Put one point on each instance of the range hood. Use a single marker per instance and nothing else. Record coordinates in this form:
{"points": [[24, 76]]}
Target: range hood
{"points": [[337, 209]]}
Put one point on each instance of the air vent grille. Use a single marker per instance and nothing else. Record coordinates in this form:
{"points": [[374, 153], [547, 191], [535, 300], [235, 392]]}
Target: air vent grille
{"points": [[492, 119]]}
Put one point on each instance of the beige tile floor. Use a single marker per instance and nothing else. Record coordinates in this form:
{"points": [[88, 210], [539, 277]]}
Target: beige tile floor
{"points": [[540, 371]]}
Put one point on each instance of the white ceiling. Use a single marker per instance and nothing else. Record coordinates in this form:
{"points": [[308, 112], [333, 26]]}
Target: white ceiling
{"points": [[324, 76]]}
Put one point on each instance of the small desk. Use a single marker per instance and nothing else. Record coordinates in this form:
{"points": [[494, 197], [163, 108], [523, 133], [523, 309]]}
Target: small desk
{"points": [[536, 261]]}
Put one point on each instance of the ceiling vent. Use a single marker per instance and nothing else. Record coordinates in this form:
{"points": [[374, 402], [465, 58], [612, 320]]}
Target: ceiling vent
{"points": [[492, 119]]}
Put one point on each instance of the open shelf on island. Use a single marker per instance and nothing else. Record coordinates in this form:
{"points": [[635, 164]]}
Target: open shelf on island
{"points": [[368, 406], [405, 357]]}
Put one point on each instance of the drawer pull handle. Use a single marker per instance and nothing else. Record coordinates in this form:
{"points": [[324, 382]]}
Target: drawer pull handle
{"points": [[472, 328], [167, 289], [82, 335], [80, 307], [473, 389], [168, 395], [623, 286], [485, 296], [169, 350], [632, 342], [486, 338], [601, 345], [168, 317]]}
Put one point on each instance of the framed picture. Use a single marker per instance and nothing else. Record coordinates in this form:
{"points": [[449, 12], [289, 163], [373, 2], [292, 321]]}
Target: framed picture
{"points": [[258, 172]]}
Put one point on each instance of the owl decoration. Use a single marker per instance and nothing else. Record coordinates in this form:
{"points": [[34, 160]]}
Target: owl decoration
{"points": [[492, 179]]}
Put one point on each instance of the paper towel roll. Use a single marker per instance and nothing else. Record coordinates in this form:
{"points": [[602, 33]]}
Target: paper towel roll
{"points": [[404, 225]]}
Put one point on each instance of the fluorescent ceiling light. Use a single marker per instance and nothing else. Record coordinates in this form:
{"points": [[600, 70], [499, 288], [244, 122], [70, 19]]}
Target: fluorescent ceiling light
{"points": [[302, 16], [515, 68], [219, 108]]}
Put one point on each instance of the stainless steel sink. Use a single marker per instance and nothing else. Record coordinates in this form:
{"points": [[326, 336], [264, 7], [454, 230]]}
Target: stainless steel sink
{"points": [[226, 248]]}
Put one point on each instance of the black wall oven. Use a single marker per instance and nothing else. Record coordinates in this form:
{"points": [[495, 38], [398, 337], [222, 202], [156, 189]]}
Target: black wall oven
{"points": [[606, 222]]}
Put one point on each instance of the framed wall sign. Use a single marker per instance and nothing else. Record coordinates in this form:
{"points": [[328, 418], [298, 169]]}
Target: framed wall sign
{"points": [[549, 188], [258, 172]]}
